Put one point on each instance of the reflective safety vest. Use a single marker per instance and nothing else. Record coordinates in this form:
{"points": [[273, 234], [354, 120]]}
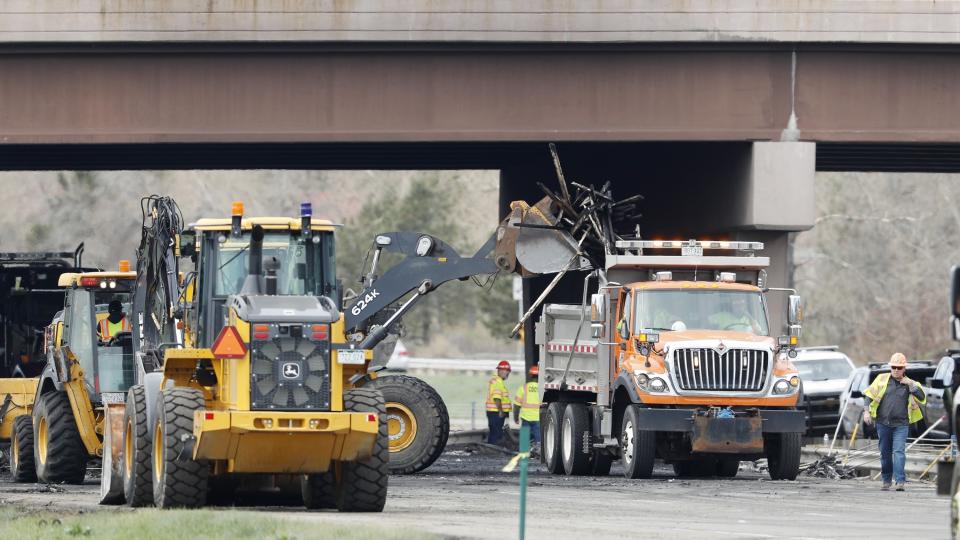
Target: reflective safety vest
{"points": [[879, 387], [528, 399], [108, 329], [497, 390]]}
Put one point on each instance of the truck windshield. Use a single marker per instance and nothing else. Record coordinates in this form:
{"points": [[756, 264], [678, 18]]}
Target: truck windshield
{"points": [[698, 309], [301, 269]]}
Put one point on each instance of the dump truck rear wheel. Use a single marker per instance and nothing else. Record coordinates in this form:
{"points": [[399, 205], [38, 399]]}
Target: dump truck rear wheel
{"points": [[59, 452], [319, 490], [550, 419], [362, 485], [575, 425], [637, 447], [135, 452], [417, 421], [783, 456], [177, 482], [22, 466]]}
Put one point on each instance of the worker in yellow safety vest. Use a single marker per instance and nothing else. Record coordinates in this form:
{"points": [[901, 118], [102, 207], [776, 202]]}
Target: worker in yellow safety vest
{"points": [[498, 403], [115, 322], [526, 406], [893, 401]]}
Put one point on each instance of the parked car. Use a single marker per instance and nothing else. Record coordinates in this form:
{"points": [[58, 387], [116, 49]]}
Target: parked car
{"points": [[935, 386], [857, 383], [823, 372]]}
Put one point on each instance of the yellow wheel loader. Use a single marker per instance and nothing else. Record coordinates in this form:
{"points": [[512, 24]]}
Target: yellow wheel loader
{"points": [[87, 370], [243, 376]]}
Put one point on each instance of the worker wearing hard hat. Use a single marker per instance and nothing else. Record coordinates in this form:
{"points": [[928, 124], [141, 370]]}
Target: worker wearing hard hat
{"points": [[115, 323], [498, 402], [526, 406], [893, 400]]}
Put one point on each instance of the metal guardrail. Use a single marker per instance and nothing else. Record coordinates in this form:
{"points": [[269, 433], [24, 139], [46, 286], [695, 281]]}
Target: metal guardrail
{"points": [[467, 436]]}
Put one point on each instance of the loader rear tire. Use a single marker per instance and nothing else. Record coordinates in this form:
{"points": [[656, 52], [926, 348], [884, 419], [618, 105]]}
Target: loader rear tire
{"points": [[22, 465], [177, 483], [638, 448], [319, 490], [417, 422], [783, 455], [362, 485], [59, 453], [575, 426], [135, 452], [550, 419]]}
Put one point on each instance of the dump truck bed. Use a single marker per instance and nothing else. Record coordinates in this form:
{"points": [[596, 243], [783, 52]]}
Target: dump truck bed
{"points": [[557, 338]]}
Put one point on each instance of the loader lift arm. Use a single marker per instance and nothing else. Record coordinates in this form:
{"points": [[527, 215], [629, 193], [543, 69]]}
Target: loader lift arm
{"points": [[428, 263]]}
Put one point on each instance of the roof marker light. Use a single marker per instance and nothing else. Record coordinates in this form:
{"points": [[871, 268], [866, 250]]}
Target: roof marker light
{"points": [[306, 209], [124, 265], [237, 208]]}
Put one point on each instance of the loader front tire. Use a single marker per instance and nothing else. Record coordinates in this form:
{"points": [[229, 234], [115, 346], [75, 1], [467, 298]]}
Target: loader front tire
{"points": [[319, 490], [418, 424], [362, 484], [59, 453], [22, 465], [135, 452], [178, 482]]}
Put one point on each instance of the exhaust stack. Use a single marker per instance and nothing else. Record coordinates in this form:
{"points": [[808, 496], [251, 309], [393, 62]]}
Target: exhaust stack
{"points": [[252, 285]]}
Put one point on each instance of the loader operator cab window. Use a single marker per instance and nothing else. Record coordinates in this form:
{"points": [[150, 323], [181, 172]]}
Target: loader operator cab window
{"points": [[664, 310], [301, 266], [107, 366]]}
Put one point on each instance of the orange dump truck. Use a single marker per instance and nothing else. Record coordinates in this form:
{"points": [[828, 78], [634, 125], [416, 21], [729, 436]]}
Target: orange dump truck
{"points": [[673, 358]]}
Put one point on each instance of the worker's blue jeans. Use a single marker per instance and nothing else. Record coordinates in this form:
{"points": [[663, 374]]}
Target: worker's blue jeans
{"points": [[893, 455], [495, 427], [534, 430]]}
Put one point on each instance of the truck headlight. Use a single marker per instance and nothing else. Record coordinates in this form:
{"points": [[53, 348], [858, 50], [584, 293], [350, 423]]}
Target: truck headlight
{"points": [[642, 380], [658, 385], [782, 387]]}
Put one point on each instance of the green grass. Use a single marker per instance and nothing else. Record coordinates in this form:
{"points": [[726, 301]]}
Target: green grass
{"points": [[148, 524], [459, 390]]}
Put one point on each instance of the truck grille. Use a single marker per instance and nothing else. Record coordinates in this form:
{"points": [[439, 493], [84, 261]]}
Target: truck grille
{"points": [[735, 370], [289, 371]]}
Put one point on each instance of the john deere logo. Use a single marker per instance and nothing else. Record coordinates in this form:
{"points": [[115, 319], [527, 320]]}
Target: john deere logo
{"points": [[291, 370]]}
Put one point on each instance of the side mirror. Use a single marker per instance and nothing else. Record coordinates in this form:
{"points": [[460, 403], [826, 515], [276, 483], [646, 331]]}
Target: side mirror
{"points": [[794, 310], [936, 384], [188, 243], [955, 327], [856, 394], [598, 312], [955, 291]]}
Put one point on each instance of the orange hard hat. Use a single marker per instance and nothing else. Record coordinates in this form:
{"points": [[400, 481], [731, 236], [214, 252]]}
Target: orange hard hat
{"points": [[534, 370], [898, 360], [503, 365]]}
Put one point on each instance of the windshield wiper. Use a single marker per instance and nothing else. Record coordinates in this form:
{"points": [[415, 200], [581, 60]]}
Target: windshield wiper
{"points": [[659, 329], [244, 248]]}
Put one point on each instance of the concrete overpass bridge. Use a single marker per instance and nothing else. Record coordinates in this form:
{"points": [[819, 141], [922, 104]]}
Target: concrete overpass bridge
{"points": [[718, 111]]}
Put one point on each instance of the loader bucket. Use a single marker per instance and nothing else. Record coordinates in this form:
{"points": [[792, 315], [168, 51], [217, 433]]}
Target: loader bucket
{"points": [[540, 249]]}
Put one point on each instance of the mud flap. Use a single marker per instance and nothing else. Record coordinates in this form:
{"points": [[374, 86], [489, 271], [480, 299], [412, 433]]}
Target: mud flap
{"points": [[728, 435], [111, 477]]}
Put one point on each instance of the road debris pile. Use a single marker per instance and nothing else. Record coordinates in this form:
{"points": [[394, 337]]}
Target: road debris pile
{"points": [[829, 467]]}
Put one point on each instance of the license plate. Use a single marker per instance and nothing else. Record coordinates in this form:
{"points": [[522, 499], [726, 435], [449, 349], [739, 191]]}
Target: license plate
{"points": [[113, 397], [691, 251], [351, 357]]}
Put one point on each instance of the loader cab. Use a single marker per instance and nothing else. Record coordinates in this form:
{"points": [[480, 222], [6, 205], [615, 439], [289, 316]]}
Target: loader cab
{"points": [[106, 360], [304, 265]]}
